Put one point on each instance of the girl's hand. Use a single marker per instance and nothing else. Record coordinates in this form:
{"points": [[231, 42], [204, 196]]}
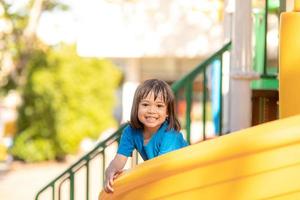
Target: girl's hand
{"points": [[114, 169], [109, 180]]}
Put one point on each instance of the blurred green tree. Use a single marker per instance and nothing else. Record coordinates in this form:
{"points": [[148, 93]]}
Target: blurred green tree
{"points": [[18, 41], [66, 98]]}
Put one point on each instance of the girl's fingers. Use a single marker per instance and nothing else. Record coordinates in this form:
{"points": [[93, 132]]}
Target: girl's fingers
{"points": [[111, 181], [108, 187], [108, 184]]}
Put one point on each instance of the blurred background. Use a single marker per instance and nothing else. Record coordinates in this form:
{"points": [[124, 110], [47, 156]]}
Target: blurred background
{"points": [[69, 69], [66, 65]]}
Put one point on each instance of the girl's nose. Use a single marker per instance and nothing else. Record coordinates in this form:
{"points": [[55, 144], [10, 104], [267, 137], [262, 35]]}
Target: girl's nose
{"points": [[151, 109]]}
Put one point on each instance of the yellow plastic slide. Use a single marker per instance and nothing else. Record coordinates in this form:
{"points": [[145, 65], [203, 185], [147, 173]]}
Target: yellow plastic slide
{"points": [[261, 162]]}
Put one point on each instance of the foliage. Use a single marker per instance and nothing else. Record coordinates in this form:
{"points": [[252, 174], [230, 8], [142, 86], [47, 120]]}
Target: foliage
{"points": [[65, 99], [18, 40]]}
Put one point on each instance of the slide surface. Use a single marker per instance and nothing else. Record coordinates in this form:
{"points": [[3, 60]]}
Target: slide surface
{"points": [[261, 162]]}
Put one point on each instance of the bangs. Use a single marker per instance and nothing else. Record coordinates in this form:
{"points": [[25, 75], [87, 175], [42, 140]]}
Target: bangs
{"points": [[157, 90]]}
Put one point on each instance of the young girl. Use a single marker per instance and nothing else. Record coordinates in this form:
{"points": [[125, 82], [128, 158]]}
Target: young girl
{"points": [[152, 130]]}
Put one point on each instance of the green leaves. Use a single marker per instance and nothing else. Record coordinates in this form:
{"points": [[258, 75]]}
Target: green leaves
{"points": [[66, 99]]}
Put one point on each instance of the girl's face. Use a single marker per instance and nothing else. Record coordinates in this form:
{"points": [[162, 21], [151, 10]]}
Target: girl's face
{"points": [[152, 113]]}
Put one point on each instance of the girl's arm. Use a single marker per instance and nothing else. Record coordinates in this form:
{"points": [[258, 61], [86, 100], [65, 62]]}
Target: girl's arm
{"points": [[113, 170]]}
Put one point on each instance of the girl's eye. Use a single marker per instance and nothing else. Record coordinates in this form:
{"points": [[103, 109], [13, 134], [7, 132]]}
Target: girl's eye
{"points": [[160, 105], [145, 104]]}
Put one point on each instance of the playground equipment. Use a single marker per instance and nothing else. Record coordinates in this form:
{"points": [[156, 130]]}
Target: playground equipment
{"points": [[260, 162], [289, 63], [256, 163]]}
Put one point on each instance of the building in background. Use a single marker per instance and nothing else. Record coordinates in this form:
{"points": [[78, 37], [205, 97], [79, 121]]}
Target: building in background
{"points": [[151, 39]]}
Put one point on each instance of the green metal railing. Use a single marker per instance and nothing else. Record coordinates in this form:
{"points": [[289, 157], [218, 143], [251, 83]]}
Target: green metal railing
{"points": [[68, 176], [187, 83]]}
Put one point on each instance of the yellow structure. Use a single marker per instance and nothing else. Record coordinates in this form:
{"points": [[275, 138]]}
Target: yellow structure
{"points": [[297, 5], [261, 162], [289, 63]]}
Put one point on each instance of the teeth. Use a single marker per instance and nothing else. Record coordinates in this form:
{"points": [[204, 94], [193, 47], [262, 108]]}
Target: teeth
{"points": [[151, 118]]}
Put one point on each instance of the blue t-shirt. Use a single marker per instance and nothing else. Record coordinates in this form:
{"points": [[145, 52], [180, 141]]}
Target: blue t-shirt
{"points": [[161, 142]]}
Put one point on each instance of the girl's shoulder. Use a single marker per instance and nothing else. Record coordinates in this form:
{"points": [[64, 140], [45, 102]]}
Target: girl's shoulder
{"points": [[130, 130], [176, 137], [172, 133]]}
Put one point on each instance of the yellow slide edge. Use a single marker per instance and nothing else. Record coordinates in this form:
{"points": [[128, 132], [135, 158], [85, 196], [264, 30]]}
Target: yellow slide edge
{"points": [[258, 146]]}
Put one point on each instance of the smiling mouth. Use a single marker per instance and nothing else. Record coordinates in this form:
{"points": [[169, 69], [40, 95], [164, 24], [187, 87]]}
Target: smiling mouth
{"points": [[151, 118]]}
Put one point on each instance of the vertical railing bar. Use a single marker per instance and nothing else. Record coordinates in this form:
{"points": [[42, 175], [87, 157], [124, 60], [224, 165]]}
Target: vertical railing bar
{"points": [[53, 191], [204, 105], [71, 185], [60, 186], [87, 179], [221, 95], [188, 98], [59, 192], [103, 168]]}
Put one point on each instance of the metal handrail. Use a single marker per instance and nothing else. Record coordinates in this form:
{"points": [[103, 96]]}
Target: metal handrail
{"points": [[186, 83], [199, 68], [83, 161]]}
